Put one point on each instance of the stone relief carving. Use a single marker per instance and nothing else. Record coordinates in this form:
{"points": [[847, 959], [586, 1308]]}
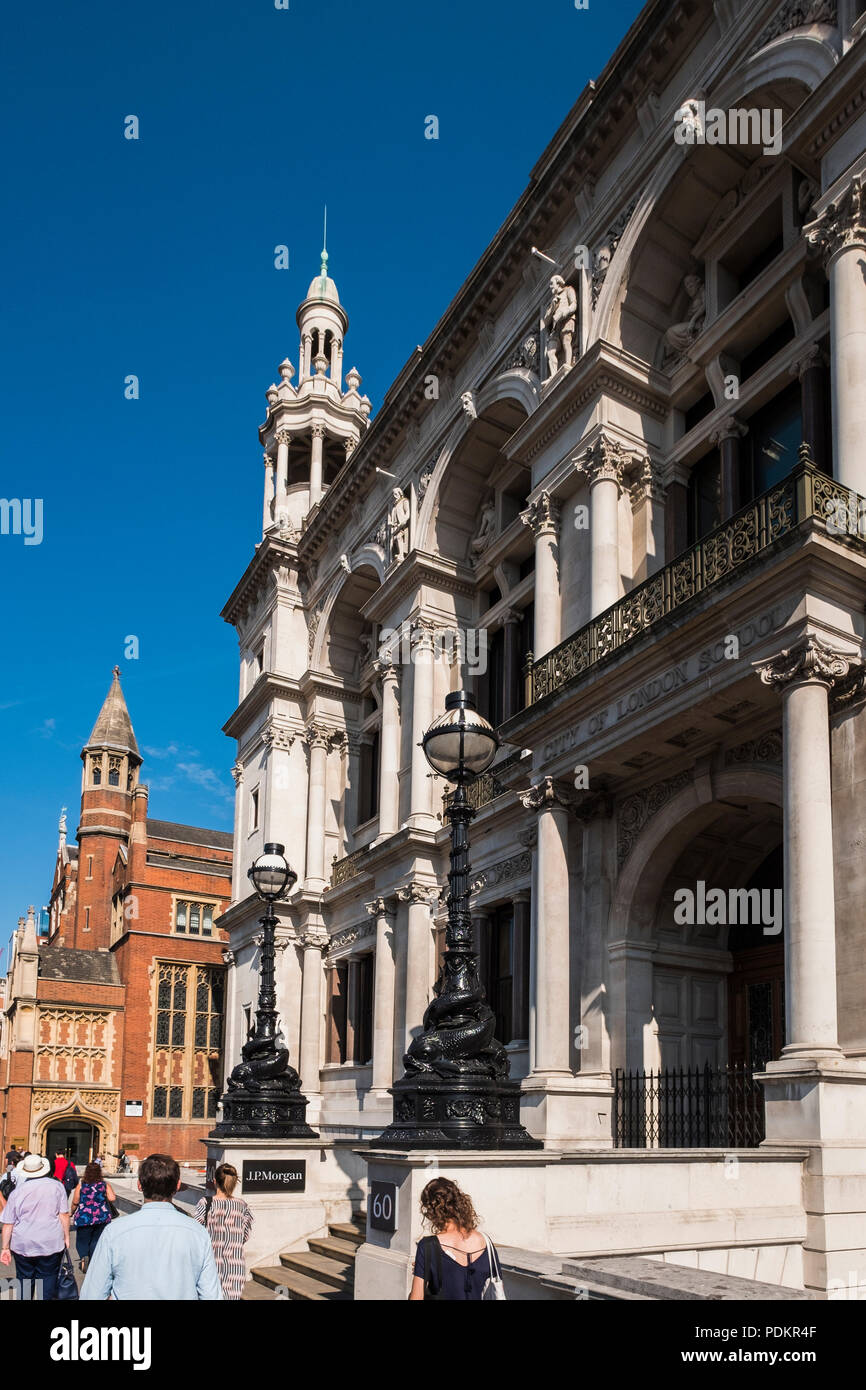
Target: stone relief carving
{"points": [[467, 400], [637, 810], [680, 336], [559, 321], [766, 748], [424, 481], [796, 14], [485, 530], [313, 627], [732, 199], [513, 867], [349, 935], [605, 252]]}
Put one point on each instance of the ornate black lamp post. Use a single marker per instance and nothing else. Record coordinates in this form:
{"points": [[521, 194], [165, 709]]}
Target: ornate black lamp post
{"points": [[456, 1092], [263, 1097]]}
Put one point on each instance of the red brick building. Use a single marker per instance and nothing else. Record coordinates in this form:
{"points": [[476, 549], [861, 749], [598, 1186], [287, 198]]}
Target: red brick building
{"points": [[112, 1030]]}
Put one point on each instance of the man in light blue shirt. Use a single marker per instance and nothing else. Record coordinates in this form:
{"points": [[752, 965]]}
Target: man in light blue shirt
{"points": [[157, 1253]]}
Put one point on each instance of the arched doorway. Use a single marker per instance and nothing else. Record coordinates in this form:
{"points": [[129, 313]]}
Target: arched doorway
{"points": [[78, 1140]]}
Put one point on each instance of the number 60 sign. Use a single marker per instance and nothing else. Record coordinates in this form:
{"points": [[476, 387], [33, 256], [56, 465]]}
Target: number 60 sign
{"points": [[382, 1206]]}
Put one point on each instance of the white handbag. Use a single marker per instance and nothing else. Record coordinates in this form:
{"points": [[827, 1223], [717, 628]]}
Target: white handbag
{"points": [[493, 1287]]}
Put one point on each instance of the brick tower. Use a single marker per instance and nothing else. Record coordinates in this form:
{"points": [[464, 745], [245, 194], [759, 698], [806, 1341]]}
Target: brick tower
{"points": [[111, 763]]}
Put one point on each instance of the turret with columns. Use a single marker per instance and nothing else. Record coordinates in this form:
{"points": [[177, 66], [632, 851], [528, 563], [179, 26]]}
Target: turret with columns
{"points": [[314, 425]]}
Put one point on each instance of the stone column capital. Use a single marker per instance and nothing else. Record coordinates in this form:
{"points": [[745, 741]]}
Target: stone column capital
{"points": [[421, 634], [268, 461], [318, 431], [416, 892], [275, 736], [812, 356], [317, 736], [512, 617], [806, 660], [238, 773], [379, 907], [542, 516], [387, 669], [283, 437], [646, 481], [731, 428], [841, 225], [338, 740], [604, 461], [546, 795], [313, 939]]}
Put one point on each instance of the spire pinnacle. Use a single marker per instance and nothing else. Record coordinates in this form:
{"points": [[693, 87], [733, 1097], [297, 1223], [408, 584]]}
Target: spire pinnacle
{"points": [[325, 246], [113, 727]]}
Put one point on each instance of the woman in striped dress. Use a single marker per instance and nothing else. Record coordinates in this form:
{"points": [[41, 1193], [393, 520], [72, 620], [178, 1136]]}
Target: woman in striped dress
{"points": [[228, 1221]]}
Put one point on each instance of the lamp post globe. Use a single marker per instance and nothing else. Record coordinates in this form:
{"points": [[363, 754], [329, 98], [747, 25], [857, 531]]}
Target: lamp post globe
{"points": [[271, 874], [263, 1096], [456, 1092]]}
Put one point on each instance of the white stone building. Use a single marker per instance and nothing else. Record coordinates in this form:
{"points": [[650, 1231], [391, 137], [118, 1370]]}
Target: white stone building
{"points": [[640, 485]]}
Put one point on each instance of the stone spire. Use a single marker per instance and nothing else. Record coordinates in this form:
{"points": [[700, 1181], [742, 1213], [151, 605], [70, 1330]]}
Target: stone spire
{"points": [[113, 728]]}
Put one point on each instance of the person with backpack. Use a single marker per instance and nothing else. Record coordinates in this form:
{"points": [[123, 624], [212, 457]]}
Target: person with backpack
{"points": [[90, 1207], [70, 1178], [457, 1263], [228, 1221]]}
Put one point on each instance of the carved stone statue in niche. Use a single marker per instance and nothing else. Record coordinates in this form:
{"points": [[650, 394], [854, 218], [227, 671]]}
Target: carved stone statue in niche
{"points": [[398, 524], [680, 336], [485, 530], [559, 320]]}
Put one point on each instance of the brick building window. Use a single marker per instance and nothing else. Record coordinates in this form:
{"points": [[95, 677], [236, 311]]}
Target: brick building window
{"points": [[187, 1066], [96, 771], [115, 766], [193, 919]]}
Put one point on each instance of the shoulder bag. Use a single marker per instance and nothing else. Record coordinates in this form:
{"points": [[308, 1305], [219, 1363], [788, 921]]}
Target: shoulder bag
{"points": [[493, 1287]]}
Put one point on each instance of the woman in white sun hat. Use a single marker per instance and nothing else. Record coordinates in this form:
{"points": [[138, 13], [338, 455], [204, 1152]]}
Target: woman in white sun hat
{"points": [[35, 1225]]}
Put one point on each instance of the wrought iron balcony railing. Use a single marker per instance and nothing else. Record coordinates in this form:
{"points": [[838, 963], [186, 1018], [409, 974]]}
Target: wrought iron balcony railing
{"points": [[773, 518], [347, 867]]}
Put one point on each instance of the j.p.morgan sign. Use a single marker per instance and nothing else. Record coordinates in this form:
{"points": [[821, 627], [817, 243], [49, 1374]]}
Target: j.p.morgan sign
{"points": [[260, 1175]]}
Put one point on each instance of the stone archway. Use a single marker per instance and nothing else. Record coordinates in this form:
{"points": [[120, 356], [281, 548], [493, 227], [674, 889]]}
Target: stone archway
{"points": [[660, 979], [55, 1111]]}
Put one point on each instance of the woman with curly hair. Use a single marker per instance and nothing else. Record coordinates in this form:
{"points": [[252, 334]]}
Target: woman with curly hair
{"points": [[454, 1263]]}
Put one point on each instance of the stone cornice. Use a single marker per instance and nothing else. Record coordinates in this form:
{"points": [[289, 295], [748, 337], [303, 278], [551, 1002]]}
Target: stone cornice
{"points": [[604, 369], [417, 570], [259, 572]]}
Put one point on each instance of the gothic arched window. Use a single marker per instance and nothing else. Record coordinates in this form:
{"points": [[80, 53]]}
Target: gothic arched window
{"points": [[96, 771]]}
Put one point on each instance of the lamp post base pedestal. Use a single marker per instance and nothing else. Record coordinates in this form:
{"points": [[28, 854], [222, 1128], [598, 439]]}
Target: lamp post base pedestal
{"points": [[459, 1112], [273, 1112]]}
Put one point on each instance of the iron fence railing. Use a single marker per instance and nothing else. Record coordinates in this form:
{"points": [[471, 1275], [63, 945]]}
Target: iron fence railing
{"points": [[697, 1108]]}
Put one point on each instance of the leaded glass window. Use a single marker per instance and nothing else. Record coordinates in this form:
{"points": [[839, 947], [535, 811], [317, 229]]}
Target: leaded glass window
{"points": [[188, 1033]]}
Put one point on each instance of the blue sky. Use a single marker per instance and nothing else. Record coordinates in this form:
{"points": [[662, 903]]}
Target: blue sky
{"points": [[156, 258]]}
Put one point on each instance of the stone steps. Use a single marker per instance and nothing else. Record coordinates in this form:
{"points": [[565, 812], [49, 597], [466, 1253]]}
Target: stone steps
{"points": [[323, 1273]]}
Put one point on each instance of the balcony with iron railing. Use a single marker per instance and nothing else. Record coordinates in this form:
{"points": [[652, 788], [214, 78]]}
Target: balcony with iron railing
{"points": [[770, 522]]}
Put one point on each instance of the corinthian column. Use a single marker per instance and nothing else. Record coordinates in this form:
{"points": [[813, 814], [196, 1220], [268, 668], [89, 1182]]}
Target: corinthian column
{"points": [[421, 816], [551, 1054], [417, 896], [268, 512], [604, 464], [311, 1010], [280, 501], [389, 748], [543, 517], [316, 455], [383, 998], [804, 673], [727, 440], [839, 235], [317, 740]]}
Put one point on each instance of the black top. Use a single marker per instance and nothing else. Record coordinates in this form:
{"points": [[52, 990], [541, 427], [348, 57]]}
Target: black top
{"points": [[460, 1284]]}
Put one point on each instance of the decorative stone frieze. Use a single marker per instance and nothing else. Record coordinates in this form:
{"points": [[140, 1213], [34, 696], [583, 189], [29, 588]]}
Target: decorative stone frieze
{"points": [[767, 748], [797, 14], [637, 810], [605, 251]]}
